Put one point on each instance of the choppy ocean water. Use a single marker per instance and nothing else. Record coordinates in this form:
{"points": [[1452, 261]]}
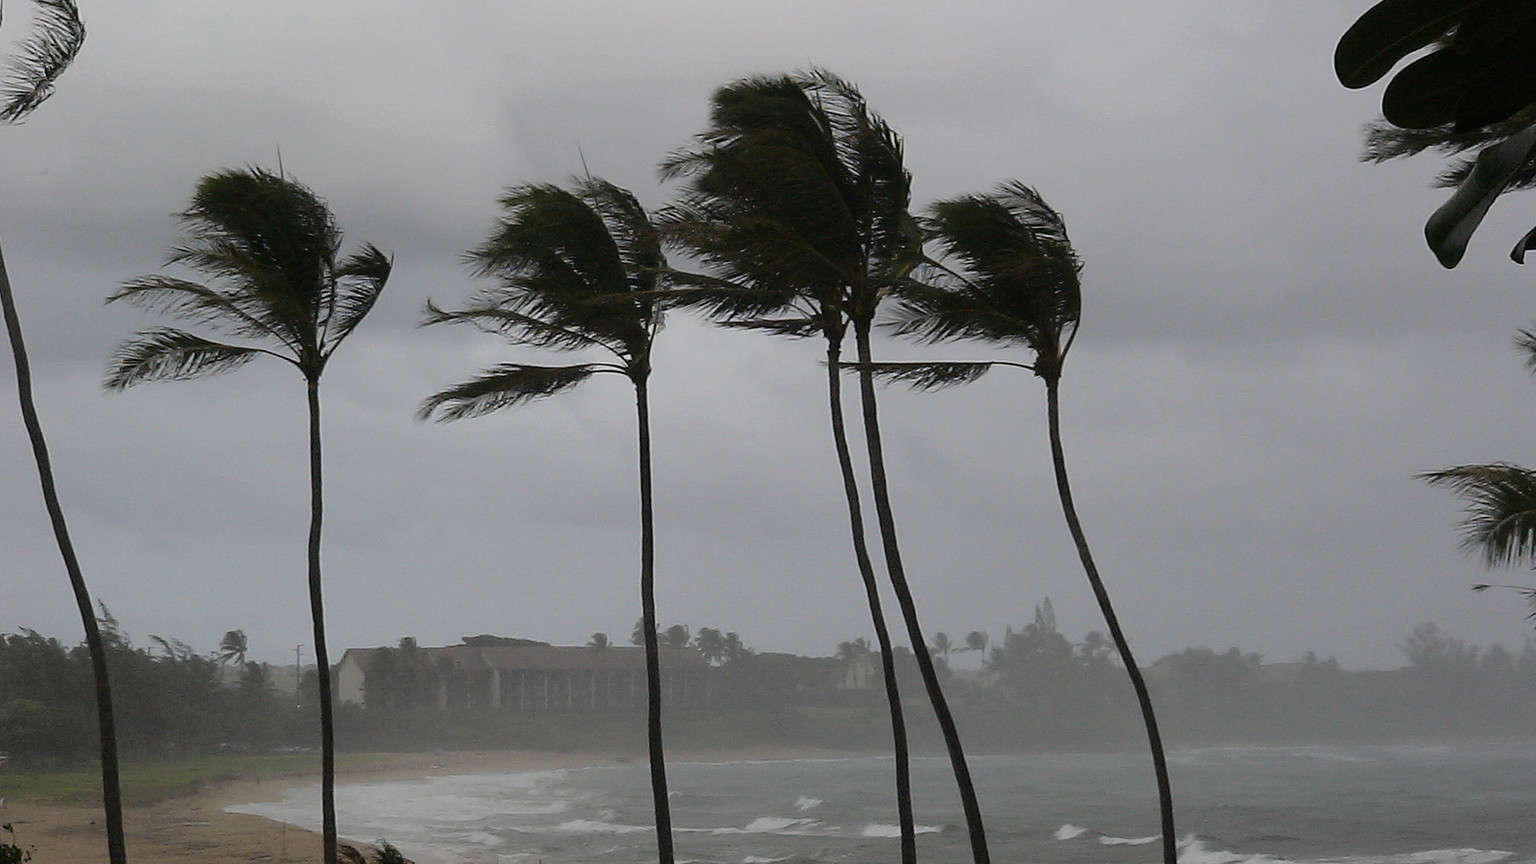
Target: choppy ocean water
{"points": [[1241, 805]]}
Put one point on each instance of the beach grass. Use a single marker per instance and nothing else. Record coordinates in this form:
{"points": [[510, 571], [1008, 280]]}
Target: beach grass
{"points": [[148, 782]]}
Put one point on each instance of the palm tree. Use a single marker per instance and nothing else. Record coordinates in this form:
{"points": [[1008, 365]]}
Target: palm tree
{"points": [[269, 246], [232, 647], [1500, 521], [676, 636], [797, 199], [40, 59], [711, 644], [976, 640], [1018, 285], [598, 642], [942, 644], [577, 270]]}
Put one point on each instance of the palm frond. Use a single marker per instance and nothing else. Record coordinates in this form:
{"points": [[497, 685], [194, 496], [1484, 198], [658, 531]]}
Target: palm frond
{"points": [[168, 354], [1500, 513], [923, 376], [360, 279], [56, 38], [794, 328], [201, 304], [504, 386], [1525, 343], [489, 316], [1523, 590], [1015, 277]]}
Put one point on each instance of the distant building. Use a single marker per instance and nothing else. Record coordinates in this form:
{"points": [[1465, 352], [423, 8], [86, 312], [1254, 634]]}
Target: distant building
{"points": [[529, 677]]}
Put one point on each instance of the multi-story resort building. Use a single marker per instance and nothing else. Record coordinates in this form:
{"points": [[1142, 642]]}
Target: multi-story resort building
{"points": [[519, 677]]}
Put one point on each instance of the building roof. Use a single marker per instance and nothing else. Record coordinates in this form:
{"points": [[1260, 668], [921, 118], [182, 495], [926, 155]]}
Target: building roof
{"points": [[505, 658]]}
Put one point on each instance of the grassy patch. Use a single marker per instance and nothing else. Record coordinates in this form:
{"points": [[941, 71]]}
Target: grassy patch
{"points": [[148, 782]]}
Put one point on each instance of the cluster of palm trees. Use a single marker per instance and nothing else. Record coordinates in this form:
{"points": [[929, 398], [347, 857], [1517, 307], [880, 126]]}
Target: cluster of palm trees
{"points": [[795, 202]]}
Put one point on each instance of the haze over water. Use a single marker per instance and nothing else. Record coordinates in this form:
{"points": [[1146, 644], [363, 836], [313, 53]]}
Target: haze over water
{"points": [[1242, 805]]}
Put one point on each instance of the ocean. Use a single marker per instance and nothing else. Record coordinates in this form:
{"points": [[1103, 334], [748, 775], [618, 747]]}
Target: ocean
{"points": [[1234, 805]]}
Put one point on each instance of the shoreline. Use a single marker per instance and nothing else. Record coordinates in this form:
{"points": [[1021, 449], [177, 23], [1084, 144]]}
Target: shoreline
{"points": [[195, 827]]}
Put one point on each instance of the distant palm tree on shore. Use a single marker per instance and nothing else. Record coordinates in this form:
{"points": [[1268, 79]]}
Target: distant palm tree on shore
{"points": [[578, 270], [1018, 285], [270, 246]]}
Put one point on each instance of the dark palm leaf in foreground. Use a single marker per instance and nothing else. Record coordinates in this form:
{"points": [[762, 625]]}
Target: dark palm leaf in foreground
{"points": [[796, 198], [1474, 88], [28, 80], [1015, 283], [276, 287], [577, 270]]}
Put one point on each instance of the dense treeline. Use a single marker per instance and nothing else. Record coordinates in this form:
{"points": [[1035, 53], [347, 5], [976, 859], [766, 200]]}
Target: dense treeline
{"points": [[1036, 689], [173, 701]]}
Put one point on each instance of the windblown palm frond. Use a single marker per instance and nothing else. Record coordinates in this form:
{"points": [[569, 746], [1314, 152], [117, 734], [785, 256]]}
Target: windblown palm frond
{"points": [[1523, 590], [1525, 343], [1017, 282], [359, 281], [1500, 515], [504, 386], [795, 328], [269, 245], [926, 376], [795, 189], [57, 35], [168, 354], [577, 269]]}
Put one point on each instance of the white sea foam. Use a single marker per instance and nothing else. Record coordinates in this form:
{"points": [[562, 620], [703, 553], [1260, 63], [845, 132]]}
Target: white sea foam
{"points": [[804, 803], [1193, 851], [592, 826], [877, 830], [1129, 841], [756, 859], [765, 825], [1069, 831]]}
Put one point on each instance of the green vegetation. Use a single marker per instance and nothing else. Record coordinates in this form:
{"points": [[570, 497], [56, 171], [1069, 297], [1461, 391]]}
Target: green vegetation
{"points": [[149, 781]]}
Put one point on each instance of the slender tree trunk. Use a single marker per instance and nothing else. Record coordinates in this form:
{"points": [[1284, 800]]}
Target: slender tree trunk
{"points": [[111, 792], [908, 608], [1154, 739], [652, 652], [322, 657], [876, 614]]}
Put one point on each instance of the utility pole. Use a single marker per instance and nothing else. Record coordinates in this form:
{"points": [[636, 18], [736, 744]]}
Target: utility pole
{"points": [[298, 675]]}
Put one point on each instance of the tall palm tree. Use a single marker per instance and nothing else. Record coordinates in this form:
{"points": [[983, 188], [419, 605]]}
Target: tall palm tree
{"points": [[942, 644], [797, 198], [578, 269], [269, 246], [40, 59], [1017, 286]]}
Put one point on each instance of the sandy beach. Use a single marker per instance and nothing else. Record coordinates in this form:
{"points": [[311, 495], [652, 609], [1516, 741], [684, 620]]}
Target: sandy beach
{"points": [[195, 828]]}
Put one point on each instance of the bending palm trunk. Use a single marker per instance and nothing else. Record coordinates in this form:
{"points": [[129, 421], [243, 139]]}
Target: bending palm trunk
{"points": [[1154, 739], [652, 653], [111, 795], [322, 657], [904, 597], [876, 614]]}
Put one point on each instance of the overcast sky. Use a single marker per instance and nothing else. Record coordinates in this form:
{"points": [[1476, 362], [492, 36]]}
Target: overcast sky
{"points": [[1268, 354]]}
